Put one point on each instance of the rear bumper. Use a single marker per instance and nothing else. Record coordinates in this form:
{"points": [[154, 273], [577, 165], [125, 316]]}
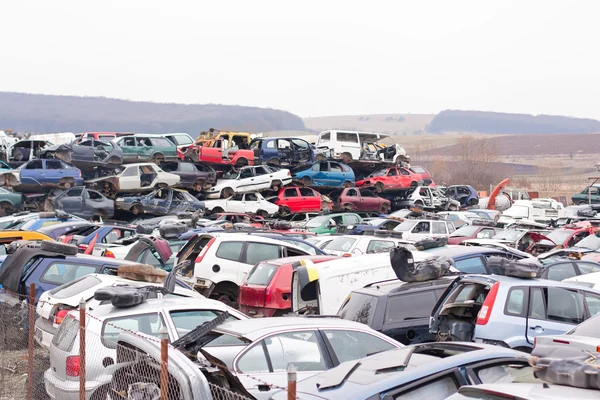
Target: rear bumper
{"points": [[67, 390], [259, 312]]}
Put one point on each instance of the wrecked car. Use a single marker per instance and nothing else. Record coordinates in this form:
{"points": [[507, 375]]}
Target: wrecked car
{"points": [[391, 178], [36, 175], [132, 178], [215, 152], [147, 147], [194, 176], [350, 145], [249, 179], [26, 150], [253, 203], [327, 174], [82, 202], [355, 199], [87, 155], [10, 202], [466, 195], [161, 201], [520, 239], [281, 151], [428, 198]]}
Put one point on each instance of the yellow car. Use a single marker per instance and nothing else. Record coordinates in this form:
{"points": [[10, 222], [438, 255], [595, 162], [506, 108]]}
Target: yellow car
{"points": [[9, 236]]}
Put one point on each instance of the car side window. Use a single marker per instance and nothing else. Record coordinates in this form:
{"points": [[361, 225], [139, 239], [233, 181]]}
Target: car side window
{"points": [[367, 193], [451, 227], [439, 388], [404, 171], [350, 219], [392, 172], [516, 301], [593, 303], [257, 252], [251, 197], [186, 167], [421, 227], [246, 173], [473, 265], [485, 233], [410, 306], [150, 324], [60, 273], [351, 193], [93, 195], [556, 304], [335, 167], [377, 246], [588, 268], [186, 320], [290, 193], [112, 236], [130, 172], [76, 192], [439, 228], [307, 192], [352, 345], [35, 164], [230, 250], [561, 271]]}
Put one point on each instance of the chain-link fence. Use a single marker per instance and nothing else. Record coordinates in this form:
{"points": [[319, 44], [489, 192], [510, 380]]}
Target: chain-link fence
{"points": [[91, 353]]}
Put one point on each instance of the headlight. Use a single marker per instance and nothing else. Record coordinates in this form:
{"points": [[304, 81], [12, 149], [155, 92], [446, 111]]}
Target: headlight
{"points": [[120, 199]]}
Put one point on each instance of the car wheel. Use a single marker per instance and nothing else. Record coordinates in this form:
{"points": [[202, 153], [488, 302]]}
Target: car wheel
{"points": [[453, 207], [262, 213], [223, 298], [137, 209], [217, 210], [65, 183], [274, 161], [346, 157], [6, 208], [348, 207], [384, 209], [275, 185], [285, 211], [379, 187], [109, 191], [226, 193], [158, 159], [418, 204], [307, 181], [56, 247], [162, 186], [347, 184], [242, 162], [198, 185]]}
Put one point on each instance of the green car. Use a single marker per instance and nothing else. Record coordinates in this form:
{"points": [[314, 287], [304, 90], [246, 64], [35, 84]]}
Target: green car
{"points": [[327, 224], [582, 198], [146, 147], [10, 201]]}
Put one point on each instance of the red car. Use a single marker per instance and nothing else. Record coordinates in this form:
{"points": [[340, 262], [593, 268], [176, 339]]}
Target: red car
{"points": [[217, 155], [472, 232], [566, 236], [425, 175], [292, 199], [357, 199], [266, 291], [391, 178]]}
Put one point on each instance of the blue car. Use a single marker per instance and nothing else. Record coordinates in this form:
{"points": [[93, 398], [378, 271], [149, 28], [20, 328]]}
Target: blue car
{"points": [[465, 194], [82, 236], [38, 174], [36, 224], [327, 173], [161, 201], [287, 151]]}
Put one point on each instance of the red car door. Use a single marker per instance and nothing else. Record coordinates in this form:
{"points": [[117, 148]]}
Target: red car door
{"points": [[369, 201], [310, 199], [292, 200], [393, 178], [405, 178]]}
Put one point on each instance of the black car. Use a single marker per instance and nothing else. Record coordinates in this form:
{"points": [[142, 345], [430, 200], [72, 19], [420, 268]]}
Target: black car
{"points": [[193, 176], [398, 309]]}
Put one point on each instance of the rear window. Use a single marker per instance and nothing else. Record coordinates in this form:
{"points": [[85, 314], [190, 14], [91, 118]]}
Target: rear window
{"points": [[410, 306], [60, 273], [262, 274], [75, 287], [347, 137], [590, 328], [66, 334], [340, 244], [359, 307]]}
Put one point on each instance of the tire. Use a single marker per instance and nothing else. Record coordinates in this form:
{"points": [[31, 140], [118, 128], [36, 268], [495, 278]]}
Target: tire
{"points": [[198, 185], [379, 187], [217, 210], [452, 207], [320, 157], [275, 186], [348, 208], [65, 183], [413, 185], [384, 209], [241, 162], [346, 158], [262, 213], [274, 161], [285, 211], [419, 204], [225, 299], [56, 247], [109, 191], [227, 193], [137, 209], [162, 185], [158, 159], [146, 183], [347, 184], [307, 181], [6, 208]]}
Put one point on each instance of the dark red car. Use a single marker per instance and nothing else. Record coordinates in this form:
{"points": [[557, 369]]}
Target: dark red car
{"points": [[266, 291], [472, 232], [391, 178], [292, 199], [359, 200], [425, 175]]}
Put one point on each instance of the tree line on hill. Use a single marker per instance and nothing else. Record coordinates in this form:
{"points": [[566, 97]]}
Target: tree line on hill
{"points": [[498, 123], [35, 113]]}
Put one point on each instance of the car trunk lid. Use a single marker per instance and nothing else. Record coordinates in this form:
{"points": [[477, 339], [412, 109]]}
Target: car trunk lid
{"points": [[255, 289], [65, 344]]}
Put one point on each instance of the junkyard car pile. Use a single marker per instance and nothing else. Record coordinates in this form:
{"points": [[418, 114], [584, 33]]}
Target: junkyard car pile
{"points": [[256, 254]]}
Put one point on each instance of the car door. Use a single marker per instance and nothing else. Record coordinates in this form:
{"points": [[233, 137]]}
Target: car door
{"points": [[309, 200], [54, 171], [32, 173], [369, 200], [336, 174], [143, 149], [293, 200], [267, 360], [438, 229], [129, 179], [128, 145], [263, 177], [553, 311], [71, 201], [320, 174], [246, 180], [159, 201], [84, 151]]}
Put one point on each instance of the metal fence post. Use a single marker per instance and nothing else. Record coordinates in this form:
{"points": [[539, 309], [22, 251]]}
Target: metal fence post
{"points": [[291, 389], [81, 349], [164, 364], [31, 342]]}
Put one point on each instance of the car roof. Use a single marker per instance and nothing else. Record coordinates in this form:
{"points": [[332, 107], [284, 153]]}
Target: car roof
{"points": [[396, 286], [513, 281], [453, 251], [255, 328], [290, 260], [137, 164], [383, 371]]}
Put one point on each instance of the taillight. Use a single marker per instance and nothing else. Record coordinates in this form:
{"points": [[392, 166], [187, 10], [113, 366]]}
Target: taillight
{"points": [[60, 316], [73, 366], [109, 254], [289, 173], [267, 295], [204, 250], [346, 255], [82, 247], [560, 341], [486, 309]]}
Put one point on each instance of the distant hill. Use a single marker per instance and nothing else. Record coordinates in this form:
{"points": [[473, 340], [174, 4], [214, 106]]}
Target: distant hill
{"points": [[501, 123], [45, 113], [393, 124]]}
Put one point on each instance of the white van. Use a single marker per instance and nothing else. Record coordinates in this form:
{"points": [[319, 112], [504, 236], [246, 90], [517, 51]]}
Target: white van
{"points": [[352, 145], [323, 287], [538, 210]]}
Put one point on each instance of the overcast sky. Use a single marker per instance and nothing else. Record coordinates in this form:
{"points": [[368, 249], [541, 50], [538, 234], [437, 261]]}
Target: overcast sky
{"points": [[312, 58]]}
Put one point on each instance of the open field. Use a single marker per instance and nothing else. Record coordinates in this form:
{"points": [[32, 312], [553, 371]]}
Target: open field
{"points": [[393, 124]]}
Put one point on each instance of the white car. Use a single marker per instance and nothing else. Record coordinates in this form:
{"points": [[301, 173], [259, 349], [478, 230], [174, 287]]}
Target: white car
{"points": [[139, 177], [459, 218], [585, 336], [252, 203], [177, 314], [54, 305], [418, 229], [249, 179], [591, 280], [523, 391], [350, 245], [223, 260]]}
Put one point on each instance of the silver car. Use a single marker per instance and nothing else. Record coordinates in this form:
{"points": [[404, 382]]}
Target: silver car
{"points": [[510, 311], [178, 315]]}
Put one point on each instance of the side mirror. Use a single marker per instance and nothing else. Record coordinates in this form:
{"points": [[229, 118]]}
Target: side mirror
{"points": [[481, 235]]}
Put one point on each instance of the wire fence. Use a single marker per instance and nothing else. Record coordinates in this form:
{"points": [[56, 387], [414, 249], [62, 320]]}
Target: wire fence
{"points": [[87, 360]]}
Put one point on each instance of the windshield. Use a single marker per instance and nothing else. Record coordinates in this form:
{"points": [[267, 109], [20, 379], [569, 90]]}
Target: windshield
{"points": [[230, 175], [517, 212], [468, 230], [405, 226], [559, 236], [591, 242], [510, 235], [340, 244], [381, 172], [317, 222]]}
